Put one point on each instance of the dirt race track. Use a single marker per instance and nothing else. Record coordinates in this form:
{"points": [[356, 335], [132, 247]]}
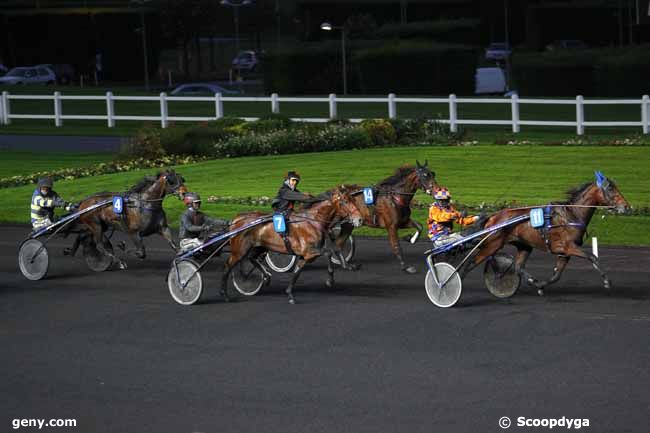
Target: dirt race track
{"points": [[114, 352]]}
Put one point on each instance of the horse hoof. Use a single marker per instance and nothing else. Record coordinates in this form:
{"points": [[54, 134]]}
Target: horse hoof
{"points": [[410, 269], [540, 292], [607, 284], [122, 245], [329, 283], [225, 296], [67, 251], [267, 281], [122, 265], [354, 267], [292, 301]]}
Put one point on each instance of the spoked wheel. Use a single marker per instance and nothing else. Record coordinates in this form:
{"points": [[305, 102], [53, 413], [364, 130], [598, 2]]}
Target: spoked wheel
{"points": [[33, 259], [96, 259], [347, 250], [500, 275], [185, 287], [247, 278], [280, 262], [447, 295]]}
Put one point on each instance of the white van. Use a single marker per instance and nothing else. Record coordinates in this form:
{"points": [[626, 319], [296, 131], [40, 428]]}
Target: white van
{"points": [[490, 80]]}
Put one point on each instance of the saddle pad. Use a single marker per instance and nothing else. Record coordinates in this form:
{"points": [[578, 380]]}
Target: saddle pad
{"points": [[279, 224], [118, 204], [537, 217]]}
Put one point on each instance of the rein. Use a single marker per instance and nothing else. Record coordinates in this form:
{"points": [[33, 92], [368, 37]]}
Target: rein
{"points": [[563, 205]]}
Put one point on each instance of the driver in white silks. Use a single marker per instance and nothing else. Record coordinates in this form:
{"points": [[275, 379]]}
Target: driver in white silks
{"points": [[194, 223], [442, 215]]}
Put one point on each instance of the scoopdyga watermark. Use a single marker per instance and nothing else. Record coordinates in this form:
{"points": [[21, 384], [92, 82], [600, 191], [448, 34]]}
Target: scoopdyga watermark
{"points": [[545, 423]]}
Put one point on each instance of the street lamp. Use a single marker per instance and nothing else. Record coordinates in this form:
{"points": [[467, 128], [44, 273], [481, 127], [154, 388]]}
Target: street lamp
{"points": [[329, 27], [235, 8], [143, 30]]}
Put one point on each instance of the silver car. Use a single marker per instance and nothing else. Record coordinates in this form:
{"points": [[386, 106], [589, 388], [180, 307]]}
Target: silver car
{"points": [[29, 75]]}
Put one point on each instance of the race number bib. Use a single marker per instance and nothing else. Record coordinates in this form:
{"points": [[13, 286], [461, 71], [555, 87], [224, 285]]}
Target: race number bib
{"points": [[368, 196], [118, 204], [279, 224], [537, 217]]}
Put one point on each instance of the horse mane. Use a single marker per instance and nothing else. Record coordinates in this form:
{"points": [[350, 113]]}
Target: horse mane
{"points": [[398, 176], [145, 182]]}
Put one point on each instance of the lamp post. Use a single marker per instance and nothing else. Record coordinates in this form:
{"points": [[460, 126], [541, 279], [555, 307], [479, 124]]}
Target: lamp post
{"points": [[329, 27], [235, 9], [143, 30]]}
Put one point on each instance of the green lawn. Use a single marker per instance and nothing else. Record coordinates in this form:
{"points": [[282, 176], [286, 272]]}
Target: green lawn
{"points": [[15, 163], [485, 134], [482, 174]]}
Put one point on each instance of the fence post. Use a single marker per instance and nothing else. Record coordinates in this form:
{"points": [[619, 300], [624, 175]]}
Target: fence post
{"points": [[645, 119], [163, 110], [275, 104], [218, 106], [392, 106], [110, 109], [2, 111], [6, 107], [57, 110], [332, 103], [453, 115], [514, 99], [580, 115]]}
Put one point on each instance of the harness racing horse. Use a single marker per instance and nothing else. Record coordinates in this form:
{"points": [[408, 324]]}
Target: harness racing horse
{"points": [[142, 214], [392, 210], [562, 235], [309, 230]]}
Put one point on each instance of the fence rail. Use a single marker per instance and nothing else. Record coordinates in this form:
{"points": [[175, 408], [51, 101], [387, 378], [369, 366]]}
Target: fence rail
{"points": [[333, 102]]}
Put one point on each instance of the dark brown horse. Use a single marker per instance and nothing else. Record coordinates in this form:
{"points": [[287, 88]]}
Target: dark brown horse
{"points": [[392, 209], [142, 215], [309, 228], [563, 235]]}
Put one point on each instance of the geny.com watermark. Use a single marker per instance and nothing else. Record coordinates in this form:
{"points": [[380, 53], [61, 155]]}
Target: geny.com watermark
{"points": [[40, 423], [549, 423]]}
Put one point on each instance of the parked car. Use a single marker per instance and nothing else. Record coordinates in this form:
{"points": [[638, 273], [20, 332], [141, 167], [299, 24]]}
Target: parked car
{"points": [[498, 51], [65, 74], [490, 80], [566, 44], [246, 61], [202, 89], [29, 75]]}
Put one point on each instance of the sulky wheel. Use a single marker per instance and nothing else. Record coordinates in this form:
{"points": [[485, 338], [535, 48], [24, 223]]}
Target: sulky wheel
{"points": [[33, 259], [247, 278], [452, 286], [280, 262], [96, 259], [500, 275], [348, 251], [186, 286]]}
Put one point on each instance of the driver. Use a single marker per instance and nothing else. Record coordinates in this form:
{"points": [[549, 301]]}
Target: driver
{"points": [[288, 194], [44, 200], [194, 223], [442, 215]]}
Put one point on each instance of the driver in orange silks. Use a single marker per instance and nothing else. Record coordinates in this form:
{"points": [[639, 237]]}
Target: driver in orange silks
{"points": [[442, 215]]}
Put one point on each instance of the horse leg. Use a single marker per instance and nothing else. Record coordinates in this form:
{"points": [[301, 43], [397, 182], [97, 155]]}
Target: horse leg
{"points": [[339, 242], [139, 250], [488, 249], [296, 273], [99, 238], [71, 251], [576, 251], [330, 267], [166, 233], [418, 230], [254, 258], [560, 264], [397, 249]]}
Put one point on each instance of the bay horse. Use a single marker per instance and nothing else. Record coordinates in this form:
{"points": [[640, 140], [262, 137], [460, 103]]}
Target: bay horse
{"points": [[143, 214], [309, 229], [392, 209], [565, 226]]}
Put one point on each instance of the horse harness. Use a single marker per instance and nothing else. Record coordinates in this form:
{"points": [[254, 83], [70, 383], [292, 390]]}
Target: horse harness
{"points": [[549, 213]]}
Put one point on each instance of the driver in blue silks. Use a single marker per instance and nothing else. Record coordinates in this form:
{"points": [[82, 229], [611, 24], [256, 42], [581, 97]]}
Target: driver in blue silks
{"points": [[44, 200]]}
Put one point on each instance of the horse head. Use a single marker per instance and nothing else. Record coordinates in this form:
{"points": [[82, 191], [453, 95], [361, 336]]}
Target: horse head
{"points": [[345, 206], [426, 177], [609, 195], [174, 183]]}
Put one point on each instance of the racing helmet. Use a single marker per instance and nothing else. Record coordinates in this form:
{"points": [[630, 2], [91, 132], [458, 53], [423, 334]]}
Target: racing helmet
{"points": [[45, 182], [442, 194], [190, 198], [293, 175]]}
